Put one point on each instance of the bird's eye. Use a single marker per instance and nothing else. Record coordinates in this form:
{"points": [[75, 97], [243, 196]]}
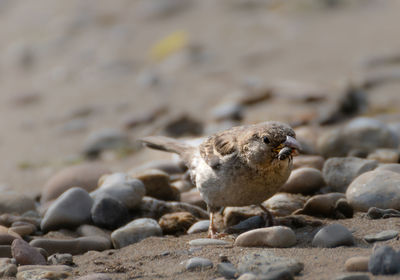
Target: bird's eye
{"points": [[266, 140]]}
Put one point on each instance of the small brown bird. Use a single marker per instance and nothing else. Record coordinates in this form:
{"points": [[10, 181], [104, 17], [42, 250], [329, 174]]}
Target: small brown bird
{"points": [[240, 166]]}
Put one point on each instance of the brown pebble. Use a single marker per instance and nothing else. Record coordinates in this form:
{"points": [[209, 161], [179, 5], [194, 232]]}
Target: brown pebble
{"points": [[357, 264], [176, 223], [312, 161], [6, 239], [26, 254]]}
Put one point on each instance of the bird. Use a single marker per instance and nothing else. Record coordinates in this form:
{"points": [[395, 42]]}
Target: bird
{"points": [[240, 166]]}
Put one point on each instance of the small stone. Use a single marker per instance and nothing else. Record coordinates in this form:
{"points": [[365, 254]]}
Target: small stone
{"points": [[197, 263], [353, 276], [108, 212], [384, 261], [158, 185], [394, 167], [176, 223], [377, 213], [208, 242], [123, 188], [340, 172], [304, 180], [106, 139], [333, 235], [53, 272], [63, 259], [75, 246], [378, 188], [171, 167], [24, 230], [94, 276], [228, 111], [385, 155], [83, 175], [8, 268], [200, 226], [135, 231], [382, 236], [90, 230], [246, 225], [312, 161], [275, 237], [13, 202], [284, 204], [183, 125], [193, 197], [248, 276], [357, 264], [234, 215], [227, 270], [184, 186], [6, 238], [69, 210], [25, 254], [5, 251]]}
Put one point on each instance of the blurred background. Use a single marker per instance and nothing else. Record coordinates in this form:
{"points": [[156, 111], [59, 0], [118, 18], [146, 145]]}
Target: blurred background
{"points": [[82, 79]]}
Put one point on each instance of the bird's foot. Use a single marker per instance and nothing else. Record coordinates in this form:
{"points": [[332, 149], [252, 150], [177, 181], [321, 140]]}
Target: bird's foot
{"points": [[267, 216]]}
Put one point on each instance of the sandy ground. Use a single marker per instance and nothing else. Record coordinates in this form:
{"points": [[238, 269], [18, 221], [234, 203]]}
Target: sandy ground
{"points": [[90, 62]]}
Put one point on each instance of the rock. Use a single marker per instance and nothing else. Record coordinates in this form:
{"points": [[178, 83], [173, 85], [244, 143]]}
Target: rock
{"points": [[176, 223], [382, 236], [379, 189], [384, 261], [284, 204], [227, 270], [385, 155], [5, 251], [208, 242], [228, 111], [7, 239], [263, 262], [106, 139], [135, 231], [248, 224], [123, 188], [184, 186], [13, 202], [75, 246], [24, 230], [200, 226], [197, 263], [193, 197], [154, 208], [330, 205], [234, 215], [108, 212], [394, 167], [24, 254], [248, 276], [333, 235], [54, 272], [157, 185], [83, 175], [60, 259], [340, 172], [357, 264], [311, 161], [275, 237], [8, 268], [69, 210], [353, 276], [361, 134], [90, 230], [94, 276], [377, 213], [183, 125], [304, 180], [170, 167]]}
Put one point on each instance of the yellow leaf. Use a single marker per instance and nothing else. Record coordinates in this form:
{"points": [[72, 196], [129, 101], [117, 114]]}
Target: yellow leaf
{"points": [[169, 45]]}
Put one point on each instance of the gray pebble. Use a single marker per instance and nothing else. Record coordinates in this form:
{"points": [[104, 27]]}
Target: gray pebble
{"points": [[353, 276], [304, 180], [382, 236], [8, 267], [63, 259], [200, 226], [207, 242], [13, 202], [227, 270], [108, 212], [106, 139], [284, 204], [276, 237], [333, 236], [94, 276], [197, 263], [384, 261]]}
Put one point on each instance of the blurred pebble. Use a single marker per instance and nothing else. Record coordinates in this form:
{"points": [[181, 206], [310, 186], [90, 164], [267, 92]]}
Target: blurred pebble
{"points": [[234, 215], [13, 202], [227, 270], [200, 226], [385, 155], [75, 246], [382, 236], [377, 213], [6, 238], [183, 125], [24, 99], [84, 175], [63, 259], [284, 204], [357, 264], [207, 242], [275, 237], [69, 210], [333, 235], [384, 260], [304, 180], [312, 161], [108, 212], [121, 187], [36, 272], [248, 276], [144, 117], [193, 197], [394, 167], [94, 276], [228, 111], [135, 231], [183, 186], [246, 225], [90, 230], [106, 139], [176, 223], [168, 166], [353, 276], [25, 254], [378, 188], [154, 9], [254, 95], [340, 172], [5, 251], [197, 263], [8, 268], [24, 230]]}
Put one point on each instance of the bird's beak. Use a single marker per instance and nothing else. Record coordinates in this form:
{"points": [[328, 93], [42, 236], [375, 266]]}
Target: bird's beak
{"points": [[292, 143]]}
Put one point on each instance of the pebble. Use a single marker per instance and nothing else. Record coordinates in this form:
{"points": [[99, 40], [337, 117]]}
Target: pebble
{"points": [[90, 230], [304, 180], [5, 251], [8, 268], [200, 226], [284, 204], [25, 254], [108, 212], [193, 197], [176, 223], [340, 172], [394, 167], [227, 270], [378, 188], [94, 276], [330, 205], [357, 264], [171, 166], [158, 185], [106, 139], [24, 230], [275, 237], [6, 238], [382, 236], [248, 276], [377, 213], [122, 187], [384, 261], [36, 272], [60, 259], [75, 246], [83, 175], [208, 242], [228, 111], [312, 161], [353, 276], [385, 155], [246, 225], [69, 210], [263, 263], [183, 186], [183, 125], [197, 263], [14, 202], [134, 232], [333, 235], [234, 215]]}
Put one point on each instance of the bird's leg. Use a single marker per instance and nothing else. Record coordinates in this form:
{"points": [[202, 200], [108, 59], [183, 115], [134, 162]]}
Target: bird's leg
{"points": [[212, 231], [268, 216]]}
